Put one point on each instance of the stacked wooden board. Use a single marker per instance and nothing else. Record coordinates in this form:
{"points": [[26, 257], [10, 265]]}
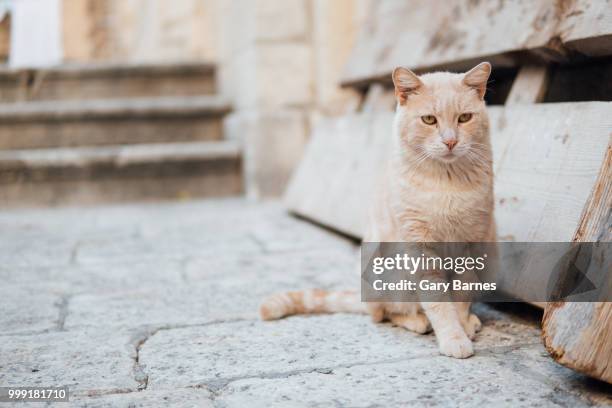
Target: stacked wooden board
{"points": [[422, 35]]}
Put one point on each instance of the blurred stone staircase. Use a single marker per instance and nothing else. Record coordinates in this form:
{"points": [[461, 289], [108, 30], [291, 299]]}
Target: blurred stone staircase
{"points": [[100, 133]]}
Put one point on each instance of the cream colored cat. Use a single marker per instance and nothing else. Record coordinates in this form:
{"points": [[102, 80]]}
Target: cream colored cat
{"points": [[438, 188]]}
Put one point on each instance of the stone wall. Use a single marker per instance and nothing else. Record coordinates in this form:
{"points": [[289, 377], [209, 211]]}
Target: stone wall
{"points": [[139, 30], [279, 62], [5, 40]]}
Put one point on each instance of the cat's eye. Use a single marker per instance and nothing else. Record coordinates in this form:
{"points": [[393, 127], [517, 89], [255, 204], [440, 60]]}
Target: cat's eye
{"points": [[429, 119], [465, 117]]}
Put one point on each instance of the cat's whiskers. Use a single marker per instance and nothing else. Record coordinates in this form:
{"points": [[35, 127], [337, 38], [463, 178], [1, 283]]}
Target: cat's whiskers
{"points": [[471, 158], [420, 159], [479, 164], [482, 155]]}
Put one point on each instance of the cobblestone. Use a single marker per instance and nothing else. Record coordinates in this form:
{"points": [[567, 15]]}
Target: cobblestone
{"points": [[156, 304]]}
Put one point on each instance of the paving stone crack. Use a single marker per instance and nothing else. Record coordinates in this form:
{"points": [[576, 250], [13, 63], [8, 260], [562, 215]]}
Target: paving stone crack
{"points": [[146, 333], [258, 242], [183, 269], [140, 375], [62, 306], [30, 333], [218, 385], [74, 252], [99, 393]]}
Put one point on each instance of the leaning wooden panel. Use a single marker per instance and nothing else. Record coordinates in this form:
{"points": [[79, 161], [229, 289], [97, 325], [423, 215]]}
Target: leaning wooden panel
{"points": [[579, 335], [544, 176], [421, 34], [548, 168], [334, 180], [587, 27]]}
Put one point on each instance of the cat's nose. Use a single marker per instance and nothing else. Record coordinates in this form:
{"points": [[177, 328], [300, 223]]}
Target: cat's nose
{"points": [[449, 138], [450, 143]]}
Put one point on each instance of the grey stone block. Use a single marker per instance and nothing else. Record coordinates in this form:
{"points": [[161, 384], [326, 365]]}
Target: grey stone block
{"points": [[106, 80], [418, 382], [31, 308], [119, 173], [85, 361], [218, 353]]}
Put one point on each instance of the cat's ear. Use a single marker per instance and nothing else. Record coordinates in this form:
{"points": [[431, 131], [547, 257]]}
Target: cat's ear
{"points": [[406, 82], [477, 78]]}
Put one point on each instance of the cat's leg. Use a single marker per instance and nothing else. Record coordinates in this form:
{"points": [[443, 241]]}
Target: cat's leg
{"points": [[417, 323], [470, 322], [452, 340], [376, 310]]}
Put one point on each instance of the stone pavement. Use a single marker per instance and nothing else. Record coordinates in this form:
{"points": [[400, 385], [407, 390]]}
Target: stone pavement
{"points": [[156, 304]]}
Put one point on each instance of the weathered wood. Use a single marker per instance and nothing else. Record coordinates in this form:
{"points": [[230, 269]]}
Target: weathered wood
{"points": [[579, 335], [546, 167], [417, 35], [379, 99], [333, 183], [529, 86], [595, 224]]}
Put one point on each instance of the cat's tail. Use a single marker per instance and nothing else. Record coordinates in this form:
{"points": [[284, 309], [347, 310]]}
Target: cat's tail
{"points": [[311, 301]]}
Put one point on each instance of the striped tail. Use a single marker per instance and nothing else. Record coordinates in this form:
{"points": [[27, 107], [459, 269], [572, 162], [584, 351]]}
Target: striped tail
{"points": [[310, 301]]}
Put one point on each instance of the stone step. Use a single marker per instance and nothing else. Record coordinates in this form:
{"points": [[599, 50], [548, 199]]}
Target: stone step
{"points": [[44, 124], [97, 81], [87, 175]]}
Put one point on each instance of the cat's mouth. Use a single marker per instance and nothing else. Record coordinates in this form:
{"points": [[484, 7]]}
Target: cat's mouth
{"points": [[448, 157]]}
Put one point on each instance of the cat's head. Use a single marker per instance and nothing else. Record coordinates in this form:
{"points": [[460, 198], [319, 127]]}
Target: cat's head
{"points": [[442, 116]]}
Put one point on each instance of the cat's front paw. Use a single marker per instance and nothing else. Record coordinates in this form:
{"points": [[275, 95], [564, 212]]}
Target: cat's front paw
{"points": [[457, 346], [472, 326]]}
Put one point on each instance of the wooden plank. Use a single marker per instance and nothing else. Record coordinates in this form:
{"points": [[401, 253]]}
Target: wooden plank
{"points": [[422, 36], [379, 99], [579, 335], [334, 180], [547, 159], [587, 27], [595, 222], [529, 86]]}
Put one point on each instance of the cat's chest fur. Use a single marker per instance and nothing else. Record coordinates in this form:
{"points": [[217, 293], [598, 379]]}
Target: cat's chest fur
{"points": [[445, 214]]}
